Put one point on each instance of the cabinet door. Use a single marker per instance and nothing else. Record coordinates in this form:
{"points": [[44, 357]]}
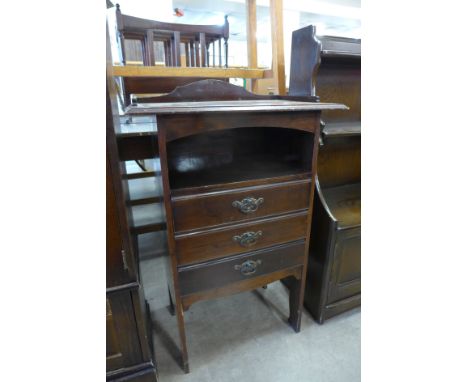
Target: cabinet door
{"points": [[345, 278], [122, 345], [117, 256]]}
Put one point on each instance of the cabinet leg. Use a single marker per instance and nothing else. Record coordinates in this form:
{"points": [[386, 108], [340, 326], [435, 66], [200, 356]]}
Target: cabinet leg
{"points": [[295, 306], [183, 342], [171, 302]]}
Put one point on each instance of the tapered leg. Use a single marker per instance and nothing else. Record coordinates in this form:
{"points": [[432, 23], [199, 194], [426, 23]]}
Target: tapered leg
{"points": [[183, 342], [295, 304], [171, 302]]}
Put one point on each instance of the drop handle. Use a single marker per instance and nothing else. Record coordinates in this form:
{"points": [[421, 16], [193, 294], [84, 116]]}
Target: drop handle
{"points": [[247, 239], [248, 267], [248, 205]]}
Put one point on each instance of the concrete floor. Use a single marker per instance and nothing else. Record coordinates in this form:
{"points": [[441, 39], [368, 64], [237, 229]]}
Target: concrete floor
{"points": [[245, 337]]}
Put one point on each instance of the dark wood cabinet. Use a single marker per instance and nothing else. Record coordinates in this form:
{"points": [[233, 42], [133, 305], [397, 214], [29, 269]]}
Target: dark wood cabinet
{"points": [[128, 344], [333, 73], [238, 178]]}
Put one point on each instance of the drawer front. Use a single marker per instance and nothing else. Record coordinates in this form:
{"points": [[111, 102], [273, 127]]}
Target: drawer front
{"points": [[242, 238], [192, 212], [219, 273]]}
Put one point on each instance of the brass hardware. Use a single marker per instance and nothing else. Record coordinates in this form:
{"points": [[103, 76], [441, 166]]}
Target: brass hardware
{"points": [[248, 267], [248, 205], [247, 239]]}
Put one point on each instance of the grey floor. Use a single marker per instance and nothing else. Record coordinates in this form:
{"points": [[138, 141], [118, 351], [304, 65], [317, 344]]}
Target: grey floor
{"points": [[245, 337]]}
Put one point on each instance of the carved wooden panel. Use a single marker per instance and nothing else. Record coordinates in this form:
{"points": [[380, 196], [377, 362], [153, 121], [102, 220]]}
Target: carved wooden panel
{"points": [[123, 346], [345, 280]]}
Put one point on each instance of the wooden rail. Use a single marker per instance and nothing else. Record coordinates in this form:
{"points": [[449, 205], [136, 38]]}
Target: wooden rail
{"points": [[154, 71]]}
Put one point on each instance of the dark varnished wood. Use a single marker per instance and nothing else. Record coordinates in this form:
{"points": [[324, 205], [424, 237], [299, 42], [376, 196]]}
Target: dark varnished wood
{"points": [[171, 260], [212, 90], [137, 146], [344, 204], [128, 346], [123, 348], [215, 243], [339, 161], [117, 272], [305, 59], [142, 146], [136, 24], [152, 85], [339, 79], [236, 155], [346, 269], [221, 147], [142, 33], [215, 208], [242, 286], [333, 277], [201, 277], [188, 191]]}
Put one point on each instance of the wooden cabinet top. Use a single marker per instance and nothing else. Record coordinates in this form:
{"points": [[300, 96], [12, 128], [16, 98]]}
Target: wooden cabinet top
{"points": [[273, 105]]}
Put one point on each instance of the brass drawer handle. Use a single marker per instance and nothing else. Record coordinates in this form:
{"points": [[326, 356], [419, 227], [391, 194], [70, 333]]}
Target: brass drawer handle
{"points": [[248, 267], [248, 205], [247, 239]]}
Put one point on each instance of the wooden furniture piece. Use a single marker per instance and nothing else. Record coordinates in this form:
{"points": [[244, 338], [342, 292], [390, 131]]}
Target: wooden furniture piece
{"points": [[137, 37], [197, 40], [331, 68], [238, 179], [138, 141], [128, 347], [128, 350]]}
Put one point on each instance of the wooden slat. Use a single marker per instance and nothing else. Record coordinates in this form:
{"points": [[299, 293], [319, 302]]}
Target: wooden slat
{"points": [[151, 200], [140, 230], [154, 71], [203, 50], [143, 174], [149, 48], [251, 6], [176, 47], [133, 147], [277, 44]]}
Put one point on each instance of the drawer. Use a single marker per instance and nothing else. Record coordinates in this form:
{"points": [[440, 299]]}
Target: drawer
{"points": [[200, 277], [229, 206], [240, 238]]}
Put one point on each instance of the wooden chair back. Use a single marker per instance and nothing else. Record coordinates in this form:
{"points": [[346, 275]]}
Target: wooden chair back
{"points": [[201, 43]]}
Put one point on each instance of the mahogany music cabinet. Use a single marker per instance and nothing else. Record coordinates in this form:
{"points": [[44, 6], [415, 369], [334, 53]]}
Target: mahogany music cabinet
{"points": [[238, 179]]}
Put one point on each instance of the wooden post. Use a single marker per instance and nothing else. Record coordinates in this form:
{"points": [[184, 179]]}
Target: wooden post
{"points": [[149, 48], [203, 49], [192, 54], [251, 10], [176, 48], [220, 54], [197, 53], [277, 45]]}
